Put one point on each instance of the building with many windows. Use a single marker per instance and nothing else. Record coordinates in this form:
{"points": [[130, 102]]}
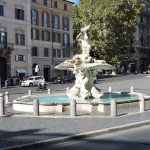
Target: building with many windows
{"points": [[15, 40], [139, 58], [51, 35], [34, 32]]}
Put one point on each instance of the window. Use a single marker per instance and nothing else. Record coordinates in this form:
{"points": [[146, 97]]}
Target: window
{"points": [[35, 34], [34, 51], [1, 10], [65, 23], [3, 39], [46, 53], [57, 53], [34, 17], [56, 22], [45, 2], [66, 41], [65, 7], [20, 58], [142, 40], [46, 35], [66, 53], [20, 39], [54, 52], [141, 19], [55, 4], [19, 14], [45, 20], [56, 37]]}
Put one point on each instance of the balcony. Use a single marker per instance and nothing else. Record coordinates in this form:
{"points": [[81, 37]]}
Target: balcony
{"points": [[6, 49]]}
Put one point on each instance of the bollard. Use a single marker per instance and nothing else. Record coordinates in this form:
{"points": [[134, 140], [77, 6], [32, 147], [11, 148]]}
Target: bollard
{"points": [[110, 89], [141, 102], [131, 89], [36, 107], [113, 108], [67, 90], [72, 107], [6, 97], [2, 105], [29, 92], [49, 91]]}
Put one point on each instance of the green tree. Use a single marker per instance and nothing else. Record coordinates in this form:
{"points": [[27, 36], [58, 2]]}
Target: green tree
{"points": [[112, 25]]}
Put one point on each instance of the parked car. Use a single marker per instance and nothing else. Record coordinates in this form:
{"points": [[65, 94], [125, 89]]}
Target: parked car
{"points": [[147, 71], [63, 79], [59, 80], [69, 78], [32, 81]]}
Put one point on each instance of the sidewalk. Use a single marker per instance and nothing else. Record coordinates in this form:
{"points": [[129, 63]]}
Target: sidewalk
{"points": [[16, 131], [24, 129]]}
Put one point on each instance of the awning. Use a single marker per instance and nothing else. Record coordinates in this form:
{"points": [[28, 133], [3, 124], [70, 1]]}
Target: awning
{"points": [[21, 71]]}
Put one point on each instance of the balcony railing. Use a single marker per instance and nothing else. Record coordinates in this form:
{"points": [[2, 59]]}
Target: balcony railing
{"points": [[6, 49], [6, 46]]}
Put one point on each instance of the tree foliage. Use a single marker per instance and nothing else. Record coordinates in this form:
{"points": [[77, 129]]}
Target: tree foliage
{"points": [[112, 25]]}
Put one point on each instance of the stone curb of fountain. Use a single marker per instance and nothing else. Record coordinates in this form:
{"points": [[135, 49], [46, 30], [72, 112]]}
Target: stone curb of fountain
{"points": [[68, 116], [80, 136]]}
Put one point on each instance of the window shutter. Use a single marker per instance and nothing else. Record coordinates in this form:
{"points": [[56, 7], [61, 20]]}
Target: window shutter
{"points": [[1, 10], [37, 34], [23, 36], [48, 36], [31, 33], [68, 24], [68, 40], [63, 40], [63, 23], [16, 37], [59, 37], [42, 19], [16, 13], [42, 35], [22, 14], [58, 22], [53, 21], [37, 19], [24, 58], [32, 12], [48, 20], [53, 36], [16, 57]]}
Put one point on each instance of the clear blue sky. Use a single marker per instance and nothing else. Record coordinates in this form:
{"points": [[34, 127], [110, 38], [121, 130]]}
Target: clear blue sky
{"points": [[75, 1]]}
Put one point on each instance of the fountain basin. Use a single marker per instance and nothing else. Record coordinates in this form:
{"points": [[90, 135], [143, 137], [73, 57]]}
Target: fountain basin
{"points": [[61, 103]]}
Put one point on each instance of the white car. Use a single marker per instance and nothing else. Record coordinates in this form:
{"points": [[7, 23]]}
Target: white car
{"points": [[32, 81]]}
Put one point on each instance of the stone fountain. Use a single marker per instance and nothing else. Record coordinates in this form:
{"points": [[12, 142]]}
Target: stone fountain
{"points": [[84, 67]]}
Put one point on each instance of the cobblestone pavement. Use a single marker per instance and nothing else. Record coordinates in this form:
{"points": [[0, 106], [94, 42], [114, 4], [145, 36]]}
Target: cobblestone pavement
{"points": [[21, 129]]}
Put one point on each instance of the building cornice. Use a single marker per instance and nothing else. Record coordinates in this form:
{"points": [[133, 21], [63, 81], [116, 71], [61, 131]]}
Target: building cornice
{"points": [[50, 9], [68, 1]]}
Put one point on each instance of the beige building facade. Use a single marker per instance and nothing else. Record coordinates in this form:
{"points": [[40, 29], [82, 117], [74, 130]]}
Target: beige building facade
{"points": [[140, 56], [15, 39], [51, 35]]}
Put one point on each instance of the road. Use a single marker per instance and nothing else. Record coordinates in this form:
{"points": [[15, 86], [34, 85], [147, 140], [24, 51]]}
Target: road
{"points": [[137, 139], [120, 83]]}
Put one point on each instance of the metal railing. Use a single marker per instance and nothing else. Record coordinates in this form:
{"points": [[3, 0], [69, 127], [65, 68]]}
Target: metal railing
{"points": [[9, 46]]}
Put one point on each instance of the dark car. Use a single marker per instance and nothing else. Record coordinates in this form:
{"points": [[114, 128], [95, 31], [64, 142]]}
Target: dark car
{"points": [[69, 79], [59, 80], [63, 79]]}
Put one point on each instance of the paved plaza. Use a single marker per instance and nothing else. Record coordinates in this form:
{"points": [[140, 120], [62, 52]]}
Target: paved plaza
{"points": [[25, 129]]}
